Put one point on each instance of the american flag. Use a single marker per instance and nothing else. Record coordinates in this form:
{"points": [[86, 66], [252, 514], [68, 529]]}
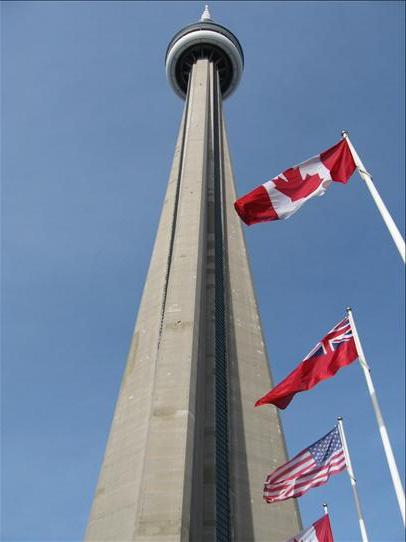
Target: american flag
{"points": [[311, 467]]}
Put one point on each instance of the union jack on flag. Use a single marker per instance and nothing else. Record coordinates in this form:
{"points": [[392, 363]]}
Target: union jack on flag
{"points": [[341, 333]]}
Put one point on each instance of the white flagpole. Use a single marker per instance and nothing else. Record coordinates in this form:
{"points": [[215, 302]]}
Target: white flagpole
{"points": [[364, 536], [397, 483], [325, 508], [390, 224]]}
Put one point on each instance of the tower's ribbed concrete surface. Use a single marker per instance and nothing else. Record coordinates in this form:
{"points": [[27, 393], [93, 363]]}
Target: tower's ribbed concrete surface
{"points": [[188, 452]]}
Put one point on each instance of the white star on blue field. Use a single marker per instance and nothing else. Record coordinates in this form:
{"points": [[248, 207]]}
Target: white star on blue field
{"points": [[89, 129], [325, 447]]}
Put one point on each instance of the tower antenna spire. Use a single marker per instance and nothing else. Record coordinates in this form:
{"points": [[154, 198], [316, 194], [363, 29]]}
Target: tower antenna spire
{"points": [[206, 14]]}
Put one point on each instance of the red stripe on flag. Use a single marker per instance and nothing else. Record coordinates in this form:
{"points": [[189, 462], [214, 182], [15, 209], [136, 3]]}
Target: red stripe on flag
{"points": [[320, 531], [323, 529], [293, 466], [308, 474], [339, 464], [255, 207], [298, 489], [339, 161], [301, 463]]}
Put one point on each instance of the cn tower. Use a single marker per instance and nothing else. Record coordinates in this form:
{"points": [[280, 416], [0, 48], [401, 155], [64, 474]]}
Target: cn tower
{"points": [[188, 453]]}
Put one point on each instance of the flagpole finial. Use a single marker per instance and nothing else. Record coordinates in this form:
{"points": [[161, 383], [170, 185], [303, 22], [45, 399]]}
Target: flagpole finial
{"points": [[206, 14], [345, 133], [340, 418], [348, 309]]}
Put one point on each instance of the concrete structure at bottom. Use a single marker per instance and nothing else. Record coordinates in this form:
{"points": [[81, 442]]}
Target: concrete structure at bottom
{"points": [[188, 453]]}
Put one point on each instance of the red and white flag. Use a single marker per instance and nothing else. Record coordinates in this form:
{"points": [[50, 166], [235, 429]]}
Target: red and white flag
{"points": [[320, 531], [285, 194], [312, 467], [337, 349]]}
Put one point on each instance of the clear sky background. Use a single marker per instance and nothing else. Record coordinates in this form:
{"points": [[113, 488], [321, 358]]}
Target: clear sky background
{"points": [[89, 127]]}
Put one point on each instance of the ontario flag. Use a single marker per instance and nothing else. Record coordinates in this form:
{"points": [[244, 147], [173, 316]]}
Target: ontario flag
{"points": [[282, 196], [337, 349], [312, 467], [320, 531]]}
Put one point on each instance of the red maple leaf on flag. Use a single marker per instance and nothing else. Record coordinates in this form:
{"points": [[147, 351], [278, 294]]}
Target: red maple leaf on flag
{"points": [[296, 187]]}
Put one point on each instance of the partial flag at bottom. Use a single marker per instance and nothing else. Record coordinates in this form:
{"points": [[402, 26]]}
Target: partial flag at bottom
{"points": [[320, 531]]}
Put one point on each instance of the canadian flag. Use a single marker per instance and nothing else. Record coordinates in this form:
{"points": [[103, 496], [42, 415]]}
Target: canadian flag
{"points": [[320, 531], [286, 193]]}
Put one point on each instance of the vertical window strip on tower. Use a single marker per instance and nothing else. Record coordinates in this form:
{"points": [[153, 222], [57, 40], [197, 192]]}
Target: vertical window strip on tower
{"points": [[223, 533]]}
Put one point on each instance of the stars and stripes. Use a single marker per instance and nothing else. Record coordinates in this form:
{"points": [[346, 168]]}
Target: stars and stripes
{"points": [[312, 467]]}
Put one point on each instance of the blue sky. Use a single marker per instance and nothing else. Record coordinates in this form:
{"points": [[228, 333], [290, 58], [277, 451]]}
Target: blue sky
{"points": [[89, 127]]}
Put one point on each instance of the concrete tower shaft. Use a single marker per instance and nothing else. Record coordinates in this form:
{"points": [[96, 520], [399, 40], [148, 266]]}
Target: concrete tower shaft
{"points": [[187, 452]]}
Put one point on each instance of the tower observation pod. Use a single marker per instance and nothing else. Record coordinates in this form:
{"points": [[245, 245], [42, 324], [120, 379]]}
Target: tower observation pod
{"points": [[204, 40], [188, 453]]}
